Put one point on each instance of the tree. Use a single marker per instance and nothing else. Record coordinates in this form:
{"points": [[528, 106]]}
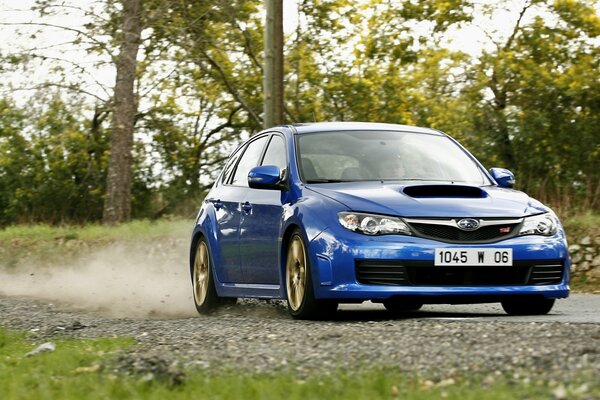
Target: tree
{"points": [[117, 206]]}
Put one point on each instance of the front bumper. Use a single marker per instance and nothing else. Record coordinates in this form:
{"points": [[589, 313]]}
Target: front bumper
{"points": [[334, 256]]}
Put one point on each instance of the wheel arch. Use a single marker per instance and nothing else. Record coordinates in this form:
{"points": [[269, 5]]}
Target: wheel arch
{"points": [[197, 235], [285, 241]]}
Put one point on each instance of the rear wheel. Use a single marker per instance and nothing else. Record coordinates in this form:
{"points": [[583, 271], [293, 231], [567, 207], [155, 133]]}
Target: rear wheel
{"points": [[203, 283], [528, 306], [299, 287]]}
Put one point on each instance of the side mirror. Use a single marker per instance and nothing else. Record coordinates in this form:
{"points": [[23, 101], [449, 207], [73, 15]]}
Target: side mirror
{"points": [[503, 177], [266, 177]]}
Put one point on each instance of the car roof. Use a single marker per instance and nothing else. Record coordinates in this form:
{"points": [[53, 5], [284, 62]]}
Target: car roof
{"points": [[358, 126]]}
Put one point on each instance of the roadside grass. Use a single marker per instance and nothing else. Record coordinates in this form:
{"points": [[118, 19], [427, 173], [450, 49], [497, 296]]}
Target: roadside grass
{"points": [[44, 245], [586, 224], [579, 226], [139, 229], [59, 374], [82, 369]]}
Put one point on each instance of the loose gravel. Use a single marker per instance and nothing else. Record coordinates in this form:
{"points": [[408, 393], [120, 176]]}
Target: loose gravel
{"points": [[258, 336]]}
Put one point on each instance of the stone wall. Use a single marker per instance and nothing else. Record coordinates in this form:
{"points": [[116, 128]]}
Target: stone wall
{"points": [[585, 254]]}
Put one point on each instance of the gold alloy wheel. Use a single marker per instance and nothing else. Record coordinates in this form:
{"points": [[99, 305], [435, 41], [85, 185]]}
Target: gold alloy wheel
{"points": [[201, 272], [295, 273]]}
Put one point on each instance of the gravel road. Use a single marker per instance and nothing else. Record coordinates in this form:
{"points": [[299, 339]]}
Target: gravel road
{"points": [[259, 336]]}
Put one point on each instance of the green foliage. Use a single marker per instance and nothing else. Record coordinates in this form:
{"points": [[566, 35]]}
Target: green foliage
{"points": [[53, 164], [51, 170]]}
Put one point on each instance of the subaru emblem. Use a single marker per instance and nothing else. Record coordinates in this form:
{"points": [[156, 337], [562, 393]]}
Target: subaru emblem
{"points": [[468, 224]]}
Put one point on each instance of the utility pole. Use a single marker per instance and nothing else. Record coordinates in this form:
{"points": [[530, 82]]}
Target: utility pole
{"points": [[273, 71]]}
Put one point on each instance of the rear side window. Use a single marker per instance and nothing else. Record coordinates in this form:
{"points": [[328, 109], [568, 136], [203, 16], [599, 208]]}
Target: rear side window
{"points": [[230, 166], [249, 160]]}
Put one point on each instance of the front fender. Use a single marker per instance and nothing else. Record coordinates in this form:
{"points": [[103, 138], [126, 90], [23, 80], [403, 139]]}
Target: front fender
{"points": [[312, 214], [205, 227]]}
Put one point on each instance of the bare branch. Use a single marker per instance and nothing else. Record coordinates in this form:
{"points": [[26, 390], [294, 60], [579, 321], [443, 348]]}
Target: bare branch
{"points": [[224, 125], [73, 88], [63, 6], [76, 66], [517, 26], [160, 81], [248, 46], [66, 28]]}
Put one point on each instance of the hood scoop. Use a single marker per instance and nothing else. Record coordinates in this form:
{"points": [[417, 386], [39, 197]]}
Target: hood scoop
{"points": [[420, 191]]}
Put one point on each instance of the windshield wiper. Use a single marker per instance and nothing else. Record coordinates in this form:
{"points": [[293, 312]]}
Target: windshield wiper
{"points": [[322, 180]]}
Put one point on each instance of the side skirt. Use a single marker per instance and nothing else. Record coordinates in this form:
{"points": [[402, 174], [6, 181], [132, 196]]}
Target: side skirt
{"points": [[249, 290]]}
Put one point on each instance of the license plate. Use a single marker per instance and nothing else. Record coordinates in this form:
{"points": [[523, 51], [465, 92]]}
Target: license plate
{"points": [[473, 257]]}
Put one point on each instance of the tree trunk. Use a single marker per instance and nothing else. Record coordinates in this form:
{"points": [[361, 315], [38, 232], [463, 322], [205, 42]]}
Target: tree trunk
{"points": [[273, 71], [117, 205]]}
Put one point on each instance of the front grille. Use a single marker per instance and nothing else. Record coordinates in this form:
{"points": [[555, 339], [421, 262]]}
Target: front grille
{"points": [[423, 273], [447, 231]]}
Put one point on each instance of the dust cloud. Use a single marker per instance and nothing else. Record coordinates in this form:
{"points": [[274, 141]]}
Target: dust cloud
{"points": [[135, 280]]}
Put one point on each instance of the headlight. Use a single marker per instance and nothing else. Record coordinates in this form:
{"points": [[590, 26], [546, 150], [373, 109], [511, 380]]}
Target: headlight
{"points": [[544, 224], [372, 224]]}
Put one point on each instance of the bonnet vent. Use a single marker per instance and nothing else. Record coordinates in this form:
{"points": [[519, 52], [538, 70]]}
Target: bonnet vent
{"points": [[444, 191]]}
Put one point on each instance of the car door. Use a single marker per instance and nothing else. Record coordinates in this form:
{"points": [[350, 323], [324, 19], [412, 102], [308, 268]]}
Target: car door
{"points": [[227, 200], [260, 223], [228, 203]]}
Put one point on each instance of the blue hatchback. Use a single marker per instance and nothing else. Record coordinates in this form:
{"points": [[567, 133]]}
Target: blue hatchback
{"points": [[328, 213]]}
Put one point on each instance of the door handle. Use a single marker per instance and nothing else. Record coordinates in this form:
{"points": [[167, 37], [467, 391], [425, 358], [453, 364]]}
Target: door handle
{"points": [[217, 203], [247, 207]]}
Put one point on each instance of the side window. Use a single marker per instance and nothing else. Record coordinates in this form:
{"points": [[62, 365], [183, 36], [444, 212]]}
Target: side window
{"points": [[249, 160], [230, 165], [276, 154]]}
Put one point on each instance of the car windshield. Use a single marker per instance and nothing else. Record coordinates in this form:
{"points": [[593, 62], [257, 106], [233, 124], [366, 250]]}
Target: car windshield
{"points": [[384, 155]]}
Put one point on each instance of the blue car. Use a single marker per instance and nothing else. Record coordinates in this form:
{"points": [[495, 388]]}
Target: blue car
{"points": [[328, 213]]}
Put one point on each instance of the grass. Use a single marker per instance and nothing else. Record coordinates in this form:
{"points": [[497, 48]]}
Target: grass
{"points": [[587, 224], [44, 245], [77, 369], [141, 229], [59, 374]]}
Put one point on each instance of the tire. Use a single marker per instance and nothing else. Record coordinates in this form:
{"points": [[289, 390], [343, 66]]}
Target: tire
{"points": [[299, 286], [398, 306], [528, 306], [203, 283]]}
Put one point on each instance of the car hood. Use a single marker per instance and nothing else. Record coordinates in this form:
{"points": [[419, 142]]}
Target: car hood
{"points": [[431, 199]]}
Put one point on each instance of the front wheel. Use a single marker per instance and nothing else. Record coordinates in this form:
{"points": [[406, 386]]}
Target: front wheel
{"points": [[528, 306], [298, 283], [203, 283]]}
